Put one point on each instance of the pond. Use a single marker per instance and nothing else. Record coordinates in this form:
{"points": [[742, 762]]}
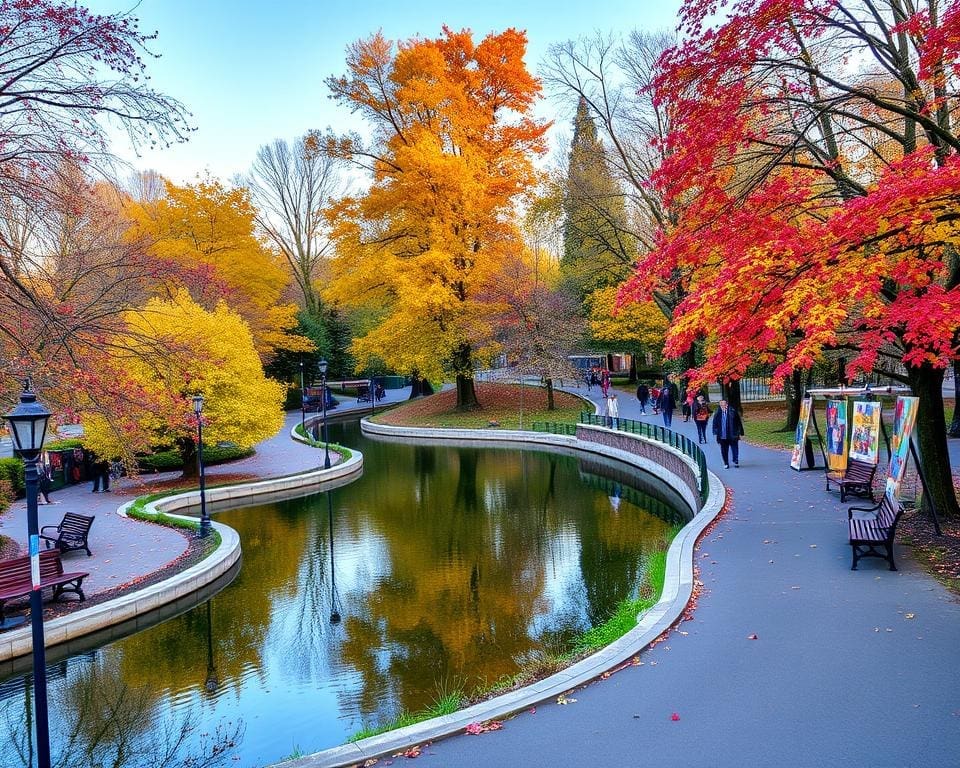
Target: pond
{"points": [[445, 568]]}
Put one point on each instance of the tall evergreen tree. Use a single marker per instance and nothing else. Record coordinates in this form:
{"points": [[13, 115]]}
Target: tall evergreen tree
{"points": [[598, 249]]}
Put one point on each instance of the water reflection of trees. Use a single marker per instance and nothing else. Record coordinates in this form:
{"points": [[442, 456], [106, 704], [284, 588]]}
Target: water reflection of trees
{"points": [[102, 720], [453, 564]]}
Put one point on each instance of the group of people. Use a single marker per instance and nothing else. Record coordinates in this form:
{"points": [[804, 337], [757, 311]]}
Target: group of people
{"points": [[99, 470], [727, 425]]}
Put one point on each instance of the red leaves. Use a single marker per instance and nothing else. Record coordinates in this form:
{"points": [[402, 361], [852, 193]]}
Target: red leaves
{"points": [[675, 717], [475, 729]]}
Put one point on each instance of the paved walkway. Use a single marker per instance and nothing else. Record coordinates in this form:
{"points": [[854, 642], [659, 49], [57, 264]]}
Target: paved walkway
{"points": [[847, 668], [125, 550]]}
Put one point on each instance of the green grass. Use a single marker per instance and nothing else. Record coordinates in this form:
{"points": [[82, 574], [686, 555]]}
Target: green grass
{"points": [[446, 704], [344, 452], [625, 616], [505, 419]]}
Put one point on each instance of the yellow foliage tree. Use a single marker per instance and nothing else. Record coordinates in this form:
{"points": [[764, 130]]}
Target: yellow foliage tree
{"points": [[208, 231], [175, 349], [637, 324], [451, 155]]}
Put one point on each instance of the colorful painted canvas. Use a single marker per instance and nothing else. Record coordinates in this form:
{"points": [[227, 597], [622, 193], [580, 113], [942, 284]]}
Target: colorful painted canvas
{"points": [[865, 434], [801, 436], [904, 419], [837, 434]]}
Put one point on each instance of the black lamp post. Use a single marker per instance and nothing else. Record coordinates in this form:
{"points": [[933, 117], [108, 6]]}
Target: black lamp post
{"points": [[28, 427], [322, 368], [204, 517]]}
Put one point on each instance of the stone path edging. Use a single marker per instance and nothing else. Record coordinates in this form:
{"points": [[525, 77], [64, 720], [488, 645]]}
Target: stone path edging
{"points": [[83, 622], [677, 590]]}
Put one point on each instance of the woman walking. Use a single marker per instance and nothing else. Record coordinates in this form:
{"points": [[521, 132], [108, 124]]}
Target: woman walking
{"points": [[701, 415]]}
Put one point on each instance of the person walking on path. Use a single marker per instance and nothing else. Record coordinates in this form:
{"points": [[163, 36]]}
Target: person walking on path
{"points": [[688, 400], [44, 484], [605, 382], [613, 410], [655, 400], [701, 415], [668, 400], [728, 428], [643, 396], [101, 476]]}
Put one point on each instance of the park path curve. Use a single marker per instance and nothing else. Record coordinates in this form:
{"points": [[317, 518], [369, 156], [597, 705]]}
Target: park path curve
{"points": [[846, 668]]}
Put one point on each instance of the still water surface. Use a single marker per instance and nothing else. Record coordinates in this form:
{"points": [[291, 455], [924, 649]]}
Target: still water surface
{"points": [[450, 567]]}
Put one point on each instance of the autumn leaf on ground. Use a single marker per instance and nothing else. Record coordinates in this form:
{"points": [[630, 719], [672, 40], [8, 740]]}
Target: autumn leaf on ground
{"points": [[414, 751], [753, 636], [909, 615], [675, 717], [475, 729], [370, 763], [562, 699]]}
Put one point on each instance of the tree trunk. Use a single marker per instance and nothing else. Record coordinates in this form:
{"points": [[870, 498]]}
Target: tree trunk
{"points": [[188, 454], [955, 424], [794, 391], [927, 384], [463, 368], [731, 393], [633, 370], [550, 403]]}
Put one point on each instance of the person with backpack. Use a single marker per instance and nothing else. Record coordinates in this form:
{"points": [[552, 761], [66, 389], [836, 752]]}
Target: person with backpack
{"points": [[701, 415]]}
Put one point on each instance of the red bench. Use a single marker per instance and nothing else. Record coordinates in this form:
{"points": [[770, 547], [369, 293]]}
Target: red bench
{"points": [[856, 479], [875, 528], [15, 580]]}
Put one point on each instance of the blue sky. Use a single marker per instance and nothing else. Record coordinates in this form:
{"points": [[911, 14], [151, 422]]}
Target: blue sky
{"points": [[251, 71]]}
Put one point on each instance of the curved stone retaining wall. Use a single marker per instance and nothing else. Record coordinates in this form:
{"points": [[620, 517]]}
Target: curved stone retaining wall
{"points": [[677, 587], [88, 620], [664, 456]]}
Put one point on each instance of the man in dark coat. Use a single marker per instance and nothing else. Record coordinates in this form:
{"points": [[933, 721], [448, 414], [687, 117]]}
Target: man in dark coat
{"points": [[728, 427], [668, 400]]}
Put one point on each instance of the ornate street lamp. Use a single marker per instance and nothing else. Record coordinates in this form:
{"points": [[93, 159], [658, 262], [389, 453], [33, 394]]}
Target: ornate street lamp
{"points": [[28, 428], [322, 368], [204, 517]]}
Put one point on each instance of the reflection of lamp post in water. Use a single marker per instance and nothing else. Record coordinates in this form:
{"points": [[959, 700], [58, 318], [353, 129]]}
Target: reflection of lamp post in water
{"points": [[322, 368], [212, 682], [334, 598]]}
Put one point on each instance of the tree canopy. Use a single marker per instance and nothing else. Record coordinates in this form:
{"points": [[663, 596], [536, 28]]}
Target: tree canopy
{"points": [[453, 140]]}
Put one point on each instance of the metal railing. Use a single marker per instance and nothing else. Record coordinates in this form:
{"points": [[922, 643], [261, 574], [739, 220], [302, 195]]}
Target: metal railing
{"points": [[554, 427], [661, 434]]}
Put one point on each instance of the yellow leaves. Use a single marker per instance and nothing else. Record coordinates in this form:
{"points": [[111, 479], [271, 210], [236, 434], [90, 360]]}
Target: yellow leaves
{"points": [[634, 323], [208, 230], [177, 349]]}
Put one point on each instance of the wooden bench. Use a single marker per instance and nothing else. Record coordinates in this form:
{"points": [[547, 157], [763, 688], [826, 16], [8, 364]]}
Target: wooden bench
{"points": [[15, 580], [876, 527], [71, 533], [857, 479]]}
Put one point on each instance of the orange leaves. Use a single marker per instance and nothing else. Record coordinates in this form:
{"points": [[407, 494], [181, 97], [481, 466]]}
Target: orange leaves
{"points": [[452, 152]]}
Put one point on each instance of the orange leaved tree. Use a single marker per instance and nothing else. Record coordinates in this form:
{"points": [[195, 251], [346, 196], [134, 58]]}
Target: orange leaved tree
{"points": [[450, 156]]}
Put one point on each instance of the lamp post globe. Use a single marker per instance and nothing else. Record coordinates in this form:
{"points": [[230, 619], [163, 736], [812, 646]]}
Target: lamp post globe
{"points": [[204, 517], [28, 428], [322, 368]]}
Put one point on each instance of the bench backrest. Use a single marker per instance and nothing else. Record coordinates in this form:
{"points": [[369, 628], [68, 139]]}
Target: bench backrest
{"points": [[889, 513], [76, 525], [16, 570], [859, 471]]}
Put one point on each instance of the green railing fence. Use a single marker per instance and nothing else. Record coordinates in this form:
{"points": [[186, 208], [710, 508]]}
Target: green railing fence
{"points": [[651, 431]]}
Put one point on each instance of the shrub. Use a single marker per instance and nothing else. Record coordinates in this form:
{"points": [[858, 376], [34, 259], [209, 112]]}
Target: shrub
{"points": [[168, 461], [11, 470], [63, 445]]}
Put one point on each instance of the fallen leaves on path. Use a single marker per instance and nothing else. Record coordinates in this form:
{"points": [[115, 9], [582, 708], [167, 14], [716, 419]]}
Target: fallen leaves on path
{"points": [[475, 729]]}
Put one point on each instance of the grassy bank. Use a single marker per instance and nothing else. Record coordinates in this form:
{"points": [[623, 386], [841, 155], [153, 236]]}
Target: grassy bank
{"points": [[503, 406], [544, 663]]}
